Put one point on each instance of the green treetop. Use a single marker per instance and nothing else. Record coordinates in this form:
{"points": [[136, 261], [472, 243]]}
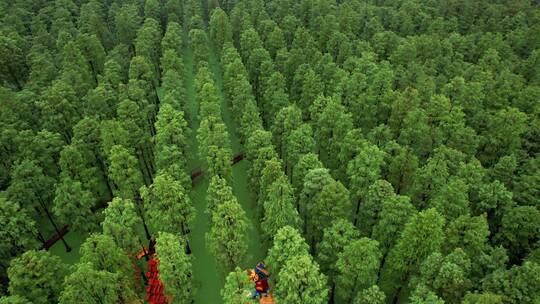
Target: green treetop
{"points": [[220, 29], [121, 223], [226, 238], [288, 244], [124, 172], [167, 205], [372, 295], [357, 267], [301, 282], [174, 267], [236, 284], [36, 275], [412, 247], [279, 208], [87, 285]]}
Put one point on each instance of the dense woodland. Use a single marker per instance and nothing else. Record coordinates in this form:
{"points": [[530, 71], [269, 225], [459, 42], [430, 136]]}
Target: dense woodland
{"points": [[392, 148]]}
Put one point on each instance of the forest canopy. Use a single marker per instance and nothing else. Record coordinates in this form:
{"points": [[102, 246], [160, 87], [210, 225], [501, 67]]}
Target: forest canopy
{"points": [[369, 151]]}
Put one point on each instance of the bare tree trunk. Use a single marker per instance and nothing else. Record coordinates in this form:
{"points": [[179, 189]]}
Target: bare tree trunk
{"points": [[68, 249]]}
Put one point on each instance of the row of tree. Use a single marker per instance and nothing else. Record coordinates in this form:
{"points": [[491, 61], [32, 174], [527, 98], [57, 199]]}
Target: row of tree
{"points": [[430, 166], [106, 133]]}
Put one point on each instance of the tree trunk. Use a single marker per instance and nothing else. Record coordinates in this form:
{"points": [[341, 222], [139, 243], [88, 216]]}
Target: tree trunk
{"points": [[68, 249], [331, 299], [15, 78], [141, 214], [185, 233], [383, 261], [396, 296], [356, 213], [143, 166], [40, 237]]}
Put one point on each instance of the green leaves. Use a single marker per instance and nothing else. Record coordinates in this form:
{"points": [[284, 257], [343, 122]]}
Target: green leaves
{"points": [[18, 230], [121, 223], [301, 282], [220, 29], [279, 208], [73, 204], [124, 172], [422, 235], [36, 276], [237, 285], [174, 267], [88, 285], [288, 244], [357, 267], [167, 205], [227, 237]]}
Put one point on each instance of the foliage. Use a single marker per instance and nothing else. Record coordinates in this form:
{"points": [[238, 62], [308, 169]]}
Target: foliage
{"points": [[174, 267], [36, 269]]}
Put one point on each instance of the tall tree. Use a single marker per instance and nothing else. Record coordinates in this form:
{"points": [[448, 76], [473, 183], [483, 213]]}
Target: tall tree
{"points": [[353, 142], [36, 275], [87, 285], [220, 29], [199, 42], [127, 20], [314, 182], [503, 141], [334, 239], [306, 163], [132, 118], [274, 97], [520, 230], [288, 244], [172, 39], [60, 108], [411, 249], [18, 231], [299, 142], [31, 188], [523, 287], [357, 267], [174, 267], [448, 276], [331, 124], [452, 199], [236, 283], [121, 222], [14, 68], [74, 204], [375, 197], [147, 43], [363, 171], [226, 238], [331, 203], [287, 119], [124, 172], [395, 213], [279, 208], [300, 281], [168, 206], [372, 295], [401, 170], [76, 70], [102, 252]]}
